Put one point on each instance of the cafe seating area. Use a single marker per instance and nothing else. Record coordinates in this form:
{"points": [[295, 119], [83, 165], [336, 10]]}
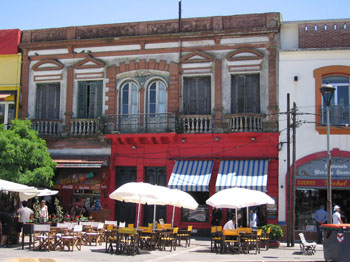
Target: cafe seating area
{"points": [[243, 240]]}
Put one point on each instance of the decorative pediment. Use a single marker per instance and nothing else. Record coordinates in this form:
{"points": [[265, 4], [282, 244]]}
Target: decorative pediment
{"points": [[197, 57], [244, 54], [89, 62], [47, 65]]}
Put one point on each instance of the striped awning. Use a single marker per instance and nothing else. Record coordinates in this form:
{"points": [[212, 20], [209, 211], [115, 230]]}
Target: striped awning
{"points": [[191, 175], [251, 174]]}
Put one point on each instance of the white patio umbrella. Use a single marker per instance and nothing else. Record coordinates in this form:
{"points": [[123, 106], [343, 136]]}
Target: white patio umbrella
{"points": [[42, 192], [136, 192], [20, 188], [239, 198], [175, 198]]}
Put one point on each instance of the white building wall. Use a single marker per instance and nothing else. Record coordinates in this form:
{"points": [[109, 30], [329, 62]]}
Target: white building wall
{"points": [[308, 141]]}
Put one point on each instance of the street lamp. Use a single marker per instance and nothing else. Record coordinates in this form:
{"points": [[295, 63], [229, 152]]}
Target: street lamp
{"points": [[327, 94]]}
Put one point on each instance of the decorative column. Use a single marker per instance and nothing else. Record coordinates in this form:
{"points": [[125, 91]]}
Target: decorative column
{"points": [[218, 118]]}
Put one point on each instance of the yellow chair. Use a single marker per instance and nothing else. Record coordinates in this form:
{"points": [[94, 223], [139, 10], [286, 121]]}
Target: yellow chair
{"points": [[127, 241], [216, 239], [186, 235], [231, 241], [169, 238], [265, 238]]}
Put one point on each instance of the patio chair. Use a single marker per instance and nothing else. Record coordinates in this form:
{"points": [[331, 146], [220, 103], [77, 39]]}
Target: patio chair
{"points": [[231, 241], [72, 238], [253, 241], [43, 237], [146, 237], [95, 235], [169, 239], [127, 241], [265, 238], [185, 234], [216, 239], [307, 248], [111, 239]]}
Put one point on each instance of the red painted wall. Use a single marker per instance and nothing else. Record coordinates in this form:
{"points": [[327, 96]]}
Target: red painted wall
{"points": [[164, 149]]}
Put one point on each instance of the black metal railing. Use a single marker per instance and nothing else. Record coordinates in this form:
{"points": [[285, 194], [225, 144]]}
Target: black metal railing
{"points": [[338, 115]]}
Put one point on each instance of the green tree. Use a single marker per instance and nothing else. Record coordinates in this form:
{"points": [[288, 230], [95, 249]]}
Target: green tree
{"points": [[24, 157]]}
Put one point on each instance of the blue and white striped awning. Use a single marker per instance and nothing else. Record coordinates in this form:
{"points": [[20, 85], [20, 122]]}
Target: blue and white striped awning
{"points": [[251, 174], [191, 175]]}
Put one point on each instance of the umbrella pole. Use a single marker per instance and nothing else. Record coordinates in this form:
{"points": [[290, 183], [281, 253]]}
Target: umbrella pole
{"points": [[248, 217], [236, 217], [172, 220], [138, 215], [154, 213]]}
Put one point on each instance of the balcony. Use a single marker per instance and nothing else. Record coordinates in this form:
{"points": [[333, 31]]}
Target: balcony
{"points": [[338, 115], [244, 122], [47, 127], [192, 124], [55, 128], [140, 123]]}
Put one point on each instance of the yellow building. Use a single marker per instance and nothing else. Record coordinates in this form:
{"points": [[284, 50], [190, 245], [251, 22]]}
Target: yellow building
{"points": [[10, 75]]}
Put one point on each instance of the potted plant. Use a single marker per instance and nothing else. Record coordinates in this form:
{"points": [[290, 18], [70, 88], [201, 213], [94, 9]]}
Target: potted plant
{"points": [[276, 233]]}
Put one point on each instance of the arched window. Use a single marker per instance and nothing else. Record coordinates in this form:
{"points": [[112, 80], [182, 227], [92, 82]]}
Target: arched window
{"points": [[156, 98], [129, 99]]}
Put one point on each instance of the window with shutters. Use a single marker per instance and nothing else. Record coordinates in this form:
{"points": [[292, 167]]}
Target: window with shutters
{"points": [[245, 94], [47, 101], [156, 98], [90, 99], [197, 95], [129, 98]]}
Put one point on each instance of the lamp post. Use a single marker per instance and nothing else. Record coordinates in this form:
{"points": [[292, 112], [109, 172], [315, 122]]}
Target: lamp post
{"points": [[327, 94]]}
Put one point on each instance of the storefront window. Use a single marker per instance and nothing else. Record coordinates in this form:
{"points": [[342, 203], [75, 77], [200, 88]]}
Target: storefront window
{"points": [[201, 214], [91, 199], [309, 200]]}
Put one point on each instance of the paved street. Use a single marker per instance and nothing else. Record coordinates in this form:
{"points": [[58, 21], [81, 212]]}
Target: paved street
{"points": [[199, 251]]}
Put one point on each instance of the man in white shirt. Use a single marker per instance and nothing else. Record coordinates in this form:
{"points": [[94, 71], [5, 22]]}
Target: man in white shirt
{"points": [[24, 214], [337, 216], [253, 219], [231, 224]]}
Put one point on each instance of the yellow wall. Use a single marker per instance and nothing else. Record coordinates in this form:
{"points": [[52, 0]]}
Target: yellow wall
{"points": [[10, 75]]}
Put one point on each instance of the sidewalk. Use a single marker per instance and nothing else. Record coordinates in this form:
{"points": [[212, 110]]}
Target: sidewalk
{"points": [[199, 251]]}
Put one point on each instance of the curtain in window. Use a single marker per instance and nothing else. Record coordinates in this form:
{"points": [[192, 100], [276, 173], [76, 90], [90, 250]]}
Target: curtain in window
{"points": [[156, 98], [245, 94], [129, 99], [47, 101], [197, 96], [89, 99]]}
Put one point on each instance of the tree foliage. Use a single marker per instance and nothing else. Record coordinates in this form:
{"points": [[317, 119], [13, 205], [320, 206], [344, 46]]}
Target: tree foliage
{"points": [[24, 157]]}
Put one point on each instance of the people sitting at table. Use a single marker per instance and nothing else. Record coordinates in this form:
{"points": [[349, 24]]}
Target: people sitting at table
{"points": [[230, 224]]}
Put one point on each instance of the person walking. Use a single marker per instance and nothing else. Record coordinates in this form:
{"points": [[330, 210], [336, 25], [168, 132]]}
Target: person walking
{"points": [[337, 216], [321, 217]]}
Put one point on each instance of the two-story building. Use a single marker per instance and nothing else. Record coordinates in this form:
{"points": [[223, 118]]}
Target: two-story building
{"points": [[188, 104], [10, 75], [315, 53]]}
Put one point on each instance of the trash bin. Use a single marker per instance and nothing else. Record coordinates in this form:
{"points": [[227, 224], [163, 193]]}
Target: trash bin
{"points": [[336, 242]]}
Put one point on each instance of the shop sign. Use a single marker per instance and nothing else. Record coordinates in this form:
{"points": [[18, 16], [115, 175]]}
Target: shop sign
{"points": [[272, 210], [317, 169], [322, 183]]}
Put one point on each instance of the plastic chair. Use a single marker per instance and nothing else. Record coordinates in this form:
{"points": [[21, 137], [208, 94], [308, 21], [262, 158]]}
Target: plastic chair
{"points": [[231, 241], [186, 235]]}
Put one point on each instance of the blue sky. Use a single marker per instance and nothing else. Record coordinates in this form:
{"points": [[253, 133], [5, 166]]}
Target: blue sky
{"points": [[37, 14]]}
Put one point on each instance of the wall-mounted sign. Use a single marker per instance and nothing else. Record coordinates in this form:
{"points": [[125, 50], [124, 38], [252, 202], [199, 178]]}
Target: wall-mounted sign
{"points": [[317, 169]]}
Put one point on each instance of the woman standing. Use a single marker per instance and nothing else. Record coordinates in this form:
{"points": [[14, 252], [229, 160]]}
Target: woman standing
{"points": [[44, 212]]}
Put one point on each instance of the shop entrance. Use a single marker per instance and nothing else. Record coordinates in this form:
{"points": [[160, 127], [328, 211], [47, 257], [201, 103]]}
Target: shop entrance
{"points": [[125, 212], [155, 176], [309, 200]]}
